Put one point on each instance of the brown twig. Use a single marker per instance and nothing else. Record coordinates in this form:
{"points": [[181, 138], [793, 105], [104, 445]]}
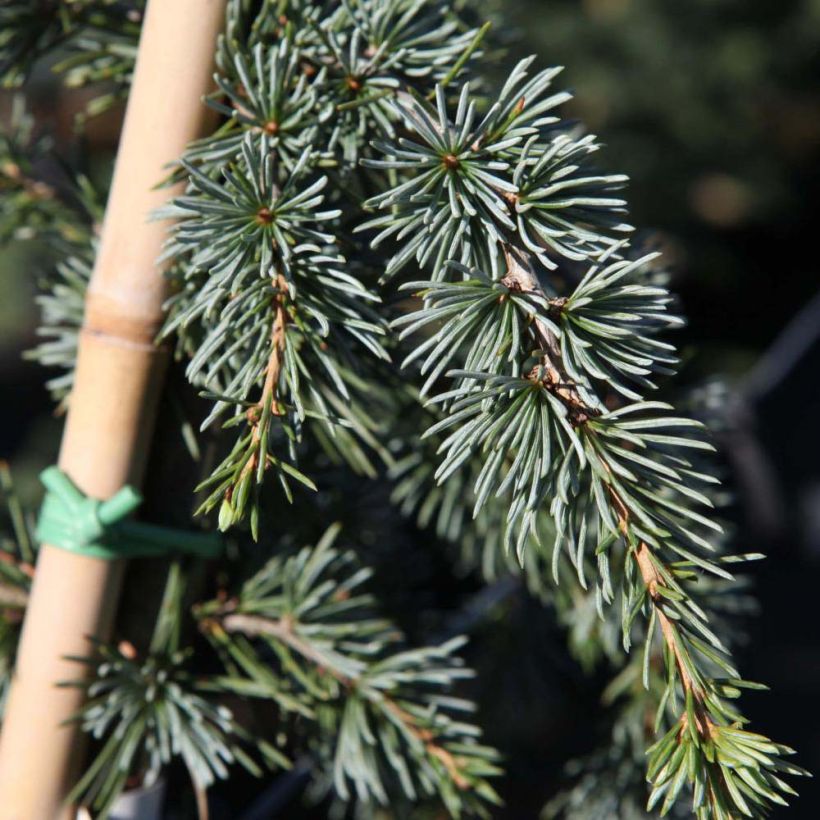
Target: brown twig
{"points": [[652, 581], [37, 189], [284, 630], [273, 369], [427, 737], [201, 795], [522, 278], [277, 342]]}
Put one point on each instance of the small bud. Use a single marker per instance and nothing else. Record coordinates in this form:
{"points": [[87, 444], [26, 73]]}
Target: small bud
{"points": [[127, 650], [226, 515], [264, 216]]}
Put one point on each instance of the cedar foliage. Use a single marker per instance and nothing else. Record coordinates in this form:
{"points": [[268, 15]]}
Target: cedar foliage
{"points": [[384, 265]]}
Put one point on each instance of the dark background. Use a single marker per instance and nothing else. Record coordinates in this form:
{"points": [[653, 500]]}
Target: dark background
{"points": [[712, 108]]}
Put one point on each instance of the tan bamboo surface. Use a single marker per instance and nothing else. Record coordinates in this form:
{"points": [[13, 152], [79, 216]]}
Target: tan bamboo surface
{"points": [[112, 407]]}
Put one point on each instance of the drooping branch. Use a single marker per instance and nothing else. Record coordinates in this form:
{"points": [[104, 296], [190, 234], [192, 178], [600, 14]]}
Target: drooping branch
{"points": [[285, 630], [522, 277]]}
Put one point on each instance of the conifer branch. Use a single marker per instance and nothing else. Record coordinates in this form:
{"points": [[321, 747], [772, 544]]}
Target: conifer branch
{"points": [[355, 663], [614, 477], [283, 630], [521, 277], [534, 376]]}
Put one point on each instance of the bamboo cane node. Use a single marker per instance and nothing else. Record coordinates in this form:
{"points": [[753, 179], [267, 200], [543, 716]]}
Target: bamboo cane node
{"points": [[119, 325], [116, 340]]}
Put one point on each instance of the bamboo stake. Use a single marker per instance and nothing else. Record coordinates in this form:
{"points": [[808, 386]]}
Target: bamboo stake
{"points": [[113, 404]]}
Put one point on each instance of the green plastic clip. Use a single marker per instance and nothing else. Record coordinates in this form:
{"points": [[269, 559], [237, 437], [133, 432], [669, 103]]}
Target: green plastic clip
{"points": [[72, 521]]}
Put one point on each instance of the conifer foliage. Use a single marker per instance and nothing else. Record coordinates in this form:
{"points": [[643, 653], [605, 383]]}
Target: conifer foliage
{"points": [[383, 264]]}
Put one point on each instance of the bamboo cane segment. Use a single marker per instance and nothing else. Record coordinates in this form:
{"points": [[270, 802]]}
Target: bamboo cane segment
{"points": [[109, 424]]}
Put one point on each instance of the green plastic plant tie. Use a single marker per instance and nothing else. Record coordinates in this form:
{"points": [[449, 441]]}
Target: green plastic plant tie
{"points": [[72, 521]]}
